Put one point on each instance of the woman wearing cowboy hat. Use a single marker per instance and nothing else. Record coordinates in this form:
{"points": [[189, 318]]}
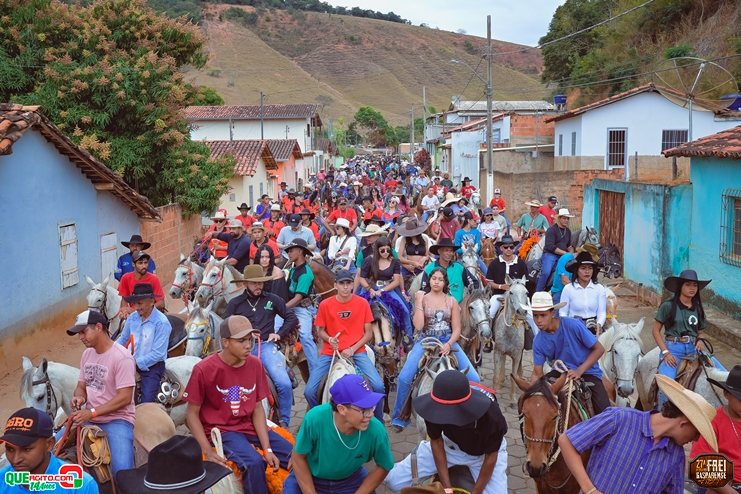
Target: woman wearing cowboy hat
{"points": [[683, 320], [467, 189], [219, 247], [342, 246], [414, 247], [585, 299], [561, 276]]}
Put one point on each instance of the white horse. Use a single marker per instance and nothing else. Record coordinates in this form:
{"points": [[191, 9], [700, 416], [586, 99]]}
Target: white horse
{"points": [[217, 278], [587, 235], [188, 276], [648, 366], [51, 385], [476, 200], [623, 350], [536, 251], [509, 333], [470, 261], [202, 327], [105, 299]]}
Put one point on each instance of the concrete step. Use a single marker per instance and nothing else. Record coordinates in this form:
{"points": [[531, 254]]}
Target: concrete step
{"points": [[723, 328]]}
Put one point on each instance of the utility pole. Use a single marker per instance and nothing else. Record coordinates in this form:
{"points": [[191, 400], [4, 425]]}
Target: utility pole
{"points": [[489, 151], [262, 116], [288, 131], [231, 133], [411, 137]]}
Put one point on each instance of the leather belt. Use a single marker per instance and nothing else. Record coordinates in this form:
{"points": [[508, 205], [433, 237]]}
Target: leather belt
{"points": [[382, 283], [681, 339], [437, 332]]}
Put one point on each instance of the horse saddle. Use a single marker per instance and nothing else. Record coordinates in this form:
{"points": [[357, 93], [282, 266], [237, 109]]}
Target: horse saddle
{"points": [[177, 333], [689, 370], [88, 446], [424, 362], [171, 389]]}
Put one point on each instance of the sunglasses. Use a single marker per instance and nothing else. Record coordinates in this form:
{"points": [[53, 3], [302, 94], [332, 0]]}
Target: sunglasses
{"points": [[219, 221], [508, 246], [384, 251]]}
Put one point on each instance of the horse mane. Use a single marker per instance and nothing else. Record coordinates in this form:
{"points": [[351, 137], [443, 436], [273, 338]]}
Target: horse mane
{"points": [[625, 331], [235, 273], [472, 296], [26, 382], [323, 267], [541, 387]]}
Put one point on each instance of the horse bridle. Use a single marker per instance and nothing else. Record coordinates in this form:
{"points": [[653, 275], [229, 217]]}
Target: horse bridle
{"points": [[212, 286], [105, 300], [186, 291], [50, 395], [206, 337]]}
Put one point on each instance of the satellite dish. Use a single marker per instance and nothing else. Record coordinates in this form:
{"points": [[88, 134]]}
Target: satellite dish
{"points": [[695, 84], [442, 140]]}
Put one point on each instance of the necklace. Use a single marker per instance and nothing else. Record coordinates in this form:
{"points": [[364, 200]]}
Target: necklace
{"points": [[339, 436], [728, 412], [254, 307]]}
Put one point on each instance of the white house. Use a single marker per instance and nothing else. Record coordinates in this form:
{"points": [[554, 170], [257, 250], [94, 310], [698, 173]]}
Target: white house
{"points": [[608, 133]]}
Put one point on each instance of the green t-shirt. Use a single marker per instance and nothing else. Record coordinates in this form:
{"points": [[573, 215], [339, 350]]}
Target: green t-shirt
{"points": [[300, 279], [361, 255], [455, 273], [540, 222], [328, 457], [686, 323]]}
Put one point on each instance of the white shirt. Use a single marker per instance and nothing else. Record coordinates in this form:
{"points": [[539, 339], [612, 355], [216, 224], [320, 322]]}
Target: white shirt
{"points": [[430, 202], [490, 230], [584, 302], [334, 247]]}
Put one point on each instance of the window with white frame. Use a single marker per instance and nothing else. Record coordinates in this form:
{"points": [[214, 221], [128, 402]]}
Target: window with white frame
{"points": [[560, 144], [68, 255], [617, 140], [673, 138], [573, 144]]}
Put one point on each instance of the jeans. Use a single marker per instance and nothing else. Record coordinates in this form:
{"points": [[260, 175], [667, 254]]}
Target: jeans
{"points": [[349, 485], [495, 303], [406, 322], [150, 382], [121, 442], [426, 215], [678, 349], [404, 382], [556, 298], [322, 368], [547, 264], [306, 336], [238, 448], [275, 365]]}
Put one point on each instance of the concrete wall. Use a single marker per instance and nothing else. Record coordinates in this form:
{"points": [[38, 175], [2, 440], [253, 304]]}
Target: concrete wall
{"points": [[711, 177], [274, 128], [562, 163], [465, 156], [521, 161], [655, 217], [650, 168]]}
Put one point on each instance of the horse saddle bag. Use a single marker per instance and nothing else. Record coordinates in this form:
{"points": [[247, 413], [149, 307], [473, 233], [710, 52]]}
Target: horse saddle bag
{"points": [[87, 445], [689, 370]]}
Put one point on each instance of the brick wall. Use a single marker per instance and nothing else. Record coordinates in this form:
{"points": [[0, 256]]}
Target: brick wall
{"points": [[175, 235], [524, 125]]}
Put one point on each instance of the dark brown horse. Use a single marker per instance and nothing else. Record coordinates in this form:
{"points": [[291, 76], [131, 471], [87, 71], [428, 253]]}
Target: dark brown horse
{"points": [[542, 415], [488, 250]]}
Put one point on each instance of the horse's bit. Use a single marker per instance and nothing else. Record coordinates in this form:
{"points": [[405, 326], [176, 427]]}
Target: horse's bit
{"points": [[212, 286], [187, 292], [102, 305], [206, 337], [50, 395]]}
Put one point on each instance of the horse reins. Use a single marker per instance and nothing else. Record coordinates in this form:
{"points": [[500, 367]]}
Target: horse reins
{"points": [[212, 286], [50, 395], [103, 304], [206, 337], [190, 289]]}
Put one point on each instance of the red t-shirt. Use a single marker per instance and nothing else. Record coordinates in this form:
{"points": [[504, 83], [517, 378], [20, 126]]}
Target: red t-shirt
{"points": [[246, 220], [391, 183], [728, 442], [287, 203], [274, 227], [448, 229], [468, 190], [227, 395], [499, 202], [253, 249], [350, 215], [126, 286], [348, 319], [548, 213]]}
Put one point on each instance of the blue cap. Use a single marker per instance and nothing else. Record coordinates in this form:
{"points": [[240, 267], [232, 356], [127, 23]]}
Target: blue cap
{"points": [[352, 389]]}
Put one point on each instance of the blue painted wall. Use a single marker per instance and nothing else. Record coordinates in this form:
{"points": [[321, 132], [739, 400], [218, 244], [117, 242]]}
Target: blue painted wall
{"points": [[711, 177], [40, 190]]}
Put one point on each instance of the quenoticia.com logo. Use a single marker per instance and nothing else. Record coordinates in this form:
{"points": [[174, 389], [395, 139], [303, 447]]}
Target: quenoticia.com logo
{"points": [[69, 477]]}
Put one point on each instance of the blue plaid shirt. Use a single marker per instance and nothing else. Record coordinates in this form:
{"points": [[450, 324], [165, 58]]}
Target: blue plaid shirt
{"points": [[624, 458]]}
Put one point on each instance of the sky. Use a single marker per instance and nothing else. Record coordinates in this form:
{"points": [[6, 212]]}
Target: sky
{"points": [[517, 21]]}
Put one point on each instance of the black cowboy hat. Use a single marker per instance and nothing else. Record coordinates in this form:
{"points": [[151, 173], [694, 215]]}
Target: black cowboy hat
{"points": [[282, 184], [141, 290], [452, 401], [299, 242], [306, 211], [732, 384], [174, 466], [583, 258], [673, 283], [374, 219], [244, 206], [466, 179], [506, 239], [446, 242], [137, 239], [398, 219]]}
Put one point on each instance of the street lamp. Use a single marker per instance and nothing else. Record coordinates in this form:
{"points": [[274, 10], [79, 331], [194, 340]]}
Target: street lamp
{"points": [[489, 94]]}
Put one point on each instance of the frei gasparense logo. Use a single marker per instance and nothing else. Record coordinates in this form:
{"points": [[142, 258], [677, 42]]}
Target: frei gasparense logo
{"points": [[711, 471], [69, 477]]}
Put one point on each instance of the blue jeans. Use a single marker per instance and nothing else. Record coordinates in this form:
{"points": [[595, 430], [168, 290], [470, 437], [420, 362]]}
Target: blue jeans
{"points": [[349, 485], [404, 382], [426, 215], [547, 264], [238, 448], [121, 443], [678, 349], [275, 366], [362, 362], [150, 382], [556, 297], [305, 326]]}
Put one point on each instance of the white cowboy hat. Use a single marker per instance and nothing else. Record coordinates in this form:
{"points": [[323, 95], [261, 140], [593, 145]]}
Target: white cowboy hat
{"points": [[235, 223], [692, 405], [343, 184], [343, 223], [257, 225], [542, 301], [374, 229], [219, 216], [275, 207], [357, 183], [564, 212]]}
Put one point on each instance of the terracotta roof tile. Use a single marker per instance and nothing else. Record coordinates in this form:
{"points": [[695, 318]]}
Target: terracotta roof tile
{"points": [[15, 120], [726, 144], [282, 149], [252, 112], [246, 153]]}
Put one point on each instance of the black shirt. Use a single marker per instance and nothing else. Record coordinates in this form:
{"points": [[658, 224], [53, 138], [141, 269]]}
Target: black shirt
{"points": [[477, 438], [238, 249], [277, 287], [366, 271], [497, 272], [556, 237], [413, 249], [261, 312]]}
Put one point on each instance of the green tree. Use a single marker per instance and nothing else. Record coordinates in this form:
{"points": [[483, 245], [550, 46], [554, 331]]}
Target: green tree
{"points": [[374, 128], [208, 96], [108, 76]]}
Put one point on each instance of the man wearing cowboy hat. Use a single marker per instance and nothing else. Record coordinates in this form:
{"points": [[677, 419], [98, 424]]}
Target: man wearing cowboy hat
{"points": [[259, 238], [562, 277], [567, 340], [125, 264], [307, 220], [148, 331], [29, 442], [282, 193], [262, 211], [292, 231], [727, 428], [458, 277], [225, 392], [217, 246], [238, 248], [446, 182], [420, 182], [139, 275], [466, 427], [634, 451], [244, 215], [532, 222], [342, 212], [274, 223], [261, 308], [557, 243], [175, 466], [300, 281]]}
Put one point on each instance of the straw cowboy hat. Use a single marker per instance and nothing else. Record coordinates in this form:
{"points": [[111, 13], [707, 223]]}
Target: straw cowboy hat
{"points": [[374, 229], [673, 283], [542, 301], [732, 384], [534, 203], [137, 239], [692, 405], [219, 216], [257, 225], [411, 228], [253, 273], [583, 258], [591, 248], [450, 198], [452, 401], [446, 242]]}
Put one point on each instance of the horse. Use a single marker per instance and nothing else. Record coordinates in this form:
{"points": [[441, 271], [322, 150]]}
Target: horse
{"points": [[623, 350], [385, 347], [476, 200], [152, 427], [536, 250], [105, 299], [217, 279], [475, 324], [587, 235], [202, 327], [470, 261], [612, 304], [323, 279], [441, 195], [649, 364], [542, 413], [488, 250], [339, 367], [510, 325], [51, 385], [609, 261], [188, 276]]}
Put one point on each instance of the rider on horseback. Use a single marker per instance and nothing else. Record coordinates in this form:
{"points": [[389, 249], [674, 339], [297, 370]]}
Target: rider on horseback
{"points": [[458, 276], [342, 246], [300, 281], [557, 243], [126, 263]]}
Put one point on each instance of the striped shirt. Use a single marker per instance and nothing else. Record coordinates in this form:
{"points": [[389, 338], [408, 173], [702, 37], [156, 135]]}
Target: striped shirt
{"points": [[624, 458]]}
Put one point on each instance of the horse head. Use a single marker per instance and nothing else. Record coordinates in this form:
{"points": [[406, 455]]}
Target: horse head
{"points": [[592, 237], [476, 199], [540, 413], [98, 296], [441, 194], [476, 307], [213, 281], [34, 392], [517, 297], [183, 278], [198, 328], [623, 350]]}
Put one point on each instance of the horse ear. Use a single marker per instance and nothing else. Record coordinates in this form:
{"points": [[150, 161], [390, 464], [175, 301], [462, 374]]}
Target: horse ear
{"points": [[27, 364], [90, 282], [556, 387], [507, 279], [105, 283], [44, 366], [639, 325], [182, 257], [521, 383]]}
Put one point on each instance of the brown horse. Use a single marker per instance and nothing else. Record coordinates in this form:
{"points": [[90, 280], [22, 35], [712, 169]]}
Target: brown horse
{"points": [[488, 250], [542, 416], [323, 279]]}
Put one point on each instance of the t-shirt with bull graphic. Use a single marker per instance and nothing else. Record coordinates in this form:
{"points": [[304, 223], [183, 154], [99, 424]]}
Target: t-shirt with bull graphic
{"points": [[227, 395]]}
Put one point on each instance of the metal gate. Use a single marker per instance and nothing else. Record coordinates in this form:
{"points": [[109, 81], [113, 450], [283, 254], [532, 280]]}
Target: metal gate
{"points": [[612, 219]]}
